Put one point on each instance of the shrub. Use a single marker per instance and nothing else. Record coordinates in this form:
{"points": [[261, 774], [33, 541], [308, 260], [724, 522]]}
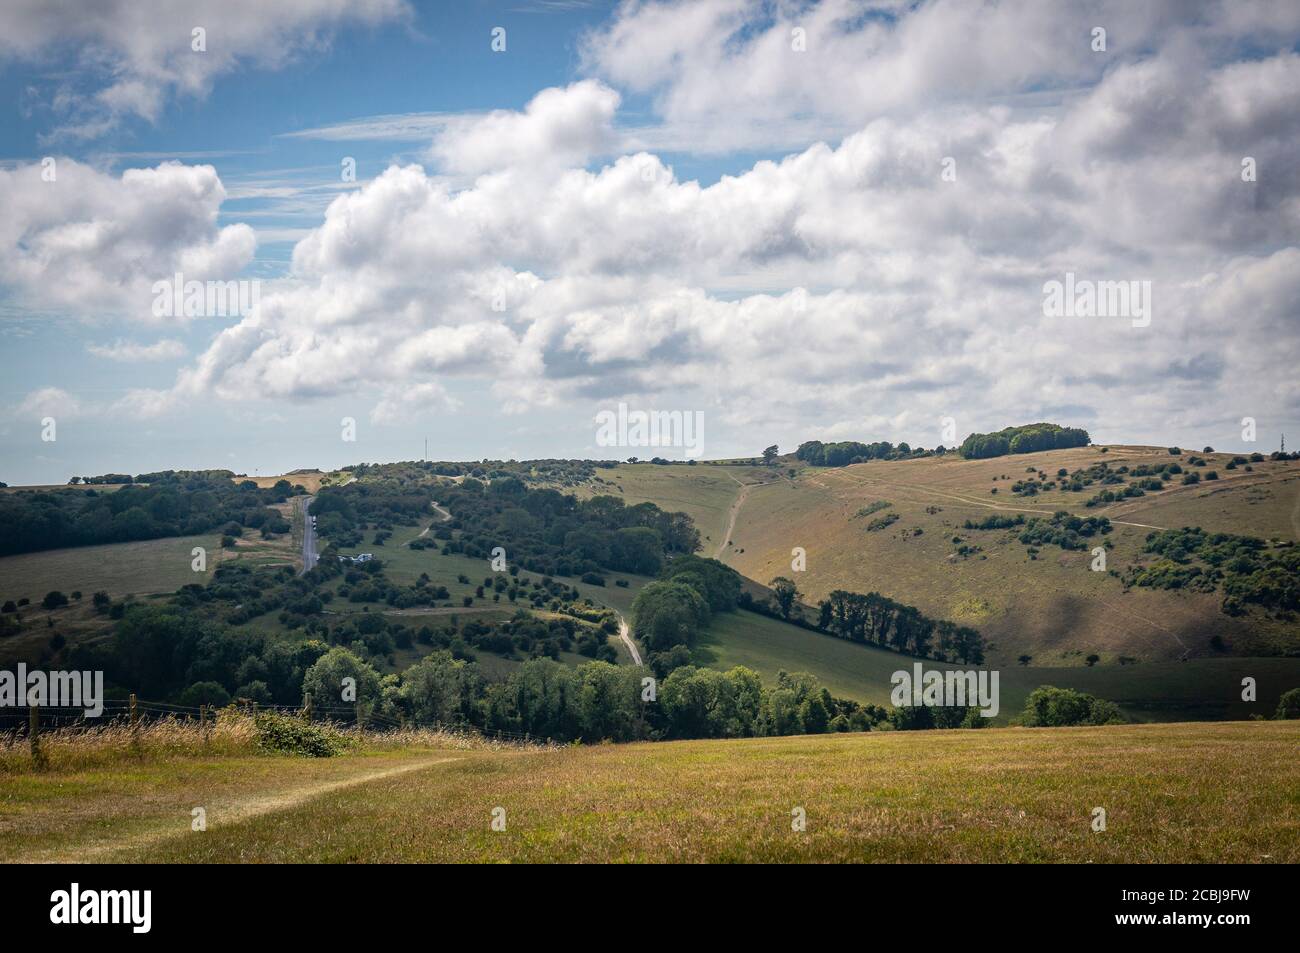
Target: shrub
{"points": [[290, 735], [1052, 707], [1288, 706]]}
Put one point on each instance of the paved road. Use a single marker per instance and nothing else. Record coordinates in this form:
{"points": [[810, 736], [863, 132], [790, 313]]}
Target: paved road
{"points": [[309, 554]]}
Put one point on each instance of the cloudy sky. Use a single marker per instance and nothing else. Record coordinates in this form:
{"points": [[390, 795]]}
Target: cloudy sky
{"points": [[804, 220]]}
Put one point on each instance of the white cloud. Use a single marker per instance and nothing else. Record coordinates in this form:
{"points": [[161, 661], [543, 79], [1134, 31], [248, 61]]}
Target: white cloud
{"points": [[164, 350], [558, 126], [49, 402], [556, 283], [92, 242], [134, 56], [405, 402], [724, 74]]}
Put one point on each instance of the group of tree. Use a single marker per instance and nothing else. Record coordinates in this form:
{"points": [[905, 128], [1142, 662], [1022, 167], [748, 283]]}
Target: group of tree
{"points": [[592, 702], [1052, 707], [1249, 570], [171, 503], [540, 529], [1028, 438], [878, 620], [845, 452], [669, 614]]}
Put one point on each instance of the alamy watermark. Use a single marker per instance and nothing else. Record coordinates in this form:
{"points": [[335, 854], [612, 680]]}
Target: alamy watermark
{"points": [[652, 428], [131, 907], [1084, 298], [22, 689], [176, 298], [946, 689]]}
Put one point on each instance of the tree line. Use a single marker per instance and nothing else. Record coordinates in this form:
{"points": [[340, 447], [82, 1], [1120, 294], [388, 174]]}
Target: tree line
{"points": [[171, 503]]}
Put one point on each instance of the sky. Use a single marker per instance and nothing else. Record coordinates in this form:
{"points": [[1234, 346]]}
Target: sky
{"points": [[485, 225]]}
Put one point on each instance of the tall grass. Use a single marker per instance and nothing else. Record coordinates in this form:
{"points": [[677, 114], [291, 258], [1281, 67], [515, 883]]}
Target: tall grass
{"points": [[233, 733]]}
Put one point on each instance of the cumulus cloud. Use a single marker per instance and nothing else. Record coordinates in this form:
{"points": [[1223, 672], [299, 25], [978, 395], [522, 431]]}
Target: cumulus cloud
{"points": [[91, 242], [728, 74], [873, 285], [133, 57], [49, 402], [558, 126]]}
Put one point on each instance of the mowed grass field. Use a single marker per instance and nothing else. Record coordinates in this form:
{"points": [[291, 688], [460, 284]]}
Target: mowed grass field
{"points": [[1221, 793], [1207, 688], [1053, 608], [120, 569]]}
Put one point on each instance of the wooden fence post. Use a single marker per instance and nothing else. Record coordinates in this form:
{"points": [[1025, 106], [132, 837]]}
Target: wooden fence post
{"points": [[34, 737], [135, 725], [203, 724], [306, 706]]}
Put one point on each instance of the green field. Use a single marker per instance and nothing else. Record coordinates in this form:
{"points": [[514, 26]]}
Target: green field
{"points": [[1148, 691], [120, 569], [999, 795]]}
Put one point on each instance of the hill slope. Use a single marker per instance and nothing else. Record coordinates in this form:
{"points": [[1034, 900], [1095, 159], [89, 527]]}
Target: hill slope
{"points": [[1052, 607]]}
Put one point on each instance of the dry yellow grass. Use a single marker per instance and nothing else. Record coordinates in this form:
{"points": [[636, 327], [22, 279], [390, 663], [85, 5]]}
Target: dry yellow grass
{"points": [[1172, 793], [1053, 607]]}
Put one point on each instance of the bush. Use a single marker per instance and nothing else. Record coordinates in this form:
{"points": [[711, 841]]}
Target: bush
{"points": [[1288, 706], [54, 600], [291, 735], [1052, 707]]}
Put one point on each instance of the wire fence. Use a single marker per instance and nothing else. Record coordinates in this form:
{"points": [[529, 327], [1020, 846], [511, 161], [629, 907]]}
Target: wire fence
{"points": [[16, 723]]}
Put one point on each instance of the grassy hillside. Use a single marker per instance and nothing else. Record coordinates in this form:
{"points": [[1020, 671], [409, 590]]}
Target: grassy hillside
{"points": [[999, 795], [705, 492], [1208, 688], [1052, 607]]}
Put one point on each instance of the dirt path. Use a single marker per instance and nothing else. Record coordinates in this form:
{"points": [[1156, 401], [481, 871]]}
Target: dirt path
{"points": [[441, 610], [232, 814], [442, 512], [625, 633]]}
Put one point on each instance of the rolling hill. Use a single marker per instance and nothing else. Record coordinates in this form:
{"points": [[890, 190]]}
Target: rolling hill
{"points": [[1052, 607]]}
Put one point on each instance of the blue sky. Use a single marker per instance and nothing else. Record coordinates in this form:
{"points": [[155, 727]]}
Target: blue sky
{"points": [[733, 208]]}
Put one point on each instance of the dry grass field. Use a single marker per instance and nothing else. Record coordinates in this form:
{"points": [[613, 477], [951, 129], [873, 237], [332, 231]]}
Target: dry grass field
{"points": [[310, 481], [997, 795]]}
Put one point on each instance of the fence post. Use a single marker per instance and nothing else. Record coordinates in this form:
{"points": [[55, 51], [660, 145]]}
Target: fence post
{"points": [[203, 724], [135, 725], [306, 707], [34, 737], [358, 717]]}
